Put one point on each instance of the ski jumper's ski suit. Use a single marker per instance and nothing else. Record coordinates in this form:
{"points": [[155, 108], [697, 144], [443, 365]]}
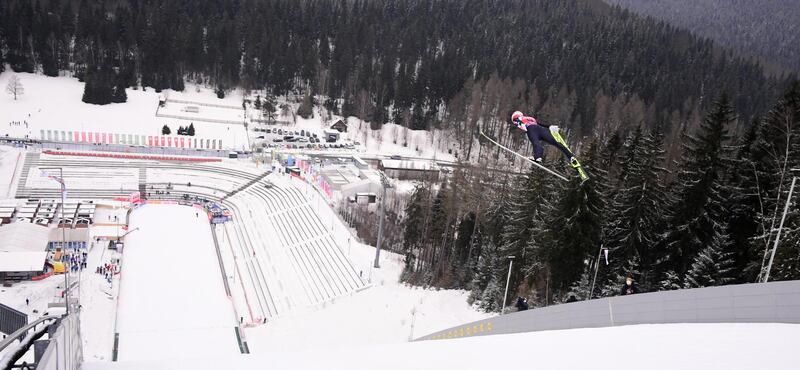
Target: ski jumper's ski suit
{"points": [[536, 133]]}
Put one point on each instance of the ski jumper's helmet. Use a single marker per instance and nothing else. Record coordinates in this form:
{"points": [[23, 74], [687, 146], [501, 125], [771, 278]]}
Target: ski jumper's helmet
{"points": [[516, 116]]}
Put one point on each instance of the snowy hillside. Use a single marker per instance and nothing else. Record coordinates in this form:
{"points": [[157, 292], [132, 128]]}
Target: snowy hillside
{"points": [[54, 103]]}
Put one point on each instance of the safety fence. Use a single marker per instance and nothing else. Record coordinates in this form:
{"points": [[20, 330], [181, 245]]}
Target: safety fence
{"points": [[775, 302]]}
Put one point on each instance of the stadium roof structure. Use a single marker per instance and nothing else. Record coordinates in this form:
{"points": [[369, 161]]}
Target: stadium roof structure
{"points": [[23, 247]]}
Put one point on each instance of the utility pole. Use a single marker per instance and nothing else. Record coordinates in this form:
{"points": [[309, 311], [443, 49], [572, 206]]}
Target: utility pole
{"points": [[780, 228], [60, 180], [508, 279], [596, 268], [385, 184]]}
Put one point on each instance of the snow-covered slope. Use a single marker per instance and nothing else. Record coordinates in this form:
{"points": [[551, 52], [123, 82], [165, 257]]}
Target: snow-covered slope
{"points": [[172, 303], [389, 312], [656, 347]]}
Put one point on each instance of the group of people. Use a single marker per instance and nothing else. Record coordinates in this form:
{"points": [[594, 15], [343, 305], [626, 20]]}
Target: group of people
{"points": [[18, 123], [74, 259], [108, 270]]}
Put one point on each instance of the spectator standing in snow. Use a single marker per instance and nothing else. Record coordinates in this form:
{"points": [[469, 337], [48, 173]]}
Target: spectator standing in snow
{"points": [[572, 298], [522, 304], [630, 287]]}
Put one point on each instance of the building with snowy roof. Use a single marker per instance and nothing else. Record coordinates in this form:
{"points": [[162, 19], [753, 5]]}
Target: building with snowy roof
{"points": [[23, 250], [403, 169]]}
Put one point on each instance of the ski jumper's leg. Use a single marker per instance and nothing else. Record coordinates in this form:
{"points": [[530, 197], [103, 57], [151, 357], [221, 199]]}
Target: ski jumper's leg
{"points": [[534, 136], [548, 137]]}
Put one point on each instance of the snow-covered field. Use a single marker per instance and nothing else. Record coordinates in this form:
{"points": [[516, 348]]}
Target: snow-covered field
{"points": [[54, 103], [653, 347], [172, 302]]}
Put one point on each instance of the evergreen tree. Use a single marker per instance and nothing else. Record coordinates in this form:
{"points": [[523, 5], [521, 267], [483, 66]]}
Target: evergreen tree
{"points": [[461, 263], [744, 208], [635, 222], [413, 229], [165, 130], [698, 208], [99, 87], [190, 129], [269, 107], [306, 108], [492, 297], [579, 217], [713, 266], [118, 93]]}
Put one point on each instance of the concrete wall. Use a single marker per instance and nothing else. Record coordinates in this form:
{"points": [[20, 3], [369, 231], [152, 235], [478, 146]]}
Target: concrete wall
{"points": [[777, 302]]}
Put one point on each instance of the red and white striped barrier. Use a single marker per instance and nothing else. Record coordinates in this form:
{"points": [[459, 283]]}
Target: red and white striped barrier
{"points": [[134, 156]]}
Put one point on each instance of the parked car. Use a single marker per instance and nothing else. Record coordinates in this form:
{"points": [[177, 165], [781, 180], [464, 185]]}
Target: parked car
{"points": [[280, 131], [260, 137], [269, 131], [302, 132], [396, 156], [302, 140], [277, 140]]}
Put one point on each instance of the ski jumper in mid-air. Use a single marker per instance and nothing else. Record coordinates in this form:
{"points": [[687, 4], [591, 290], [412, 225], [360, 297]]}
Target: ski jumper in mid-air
{"points": [[538, 132]]}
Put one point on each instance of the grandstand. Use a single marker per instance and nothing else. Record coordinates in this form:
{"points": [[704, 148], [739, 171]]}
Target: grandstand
{"points": [[292, 261]]}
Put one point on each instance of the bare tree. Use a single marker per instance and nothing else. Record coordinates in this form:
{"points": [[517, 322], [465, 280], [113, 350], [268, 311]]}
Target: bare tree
{"points": [[15, 87]]}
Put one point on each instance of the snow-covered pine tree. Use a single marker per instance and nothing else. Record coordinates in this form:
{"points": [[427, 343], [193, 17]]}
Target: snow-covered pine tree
{"points": [[578, 222], [714, 265], [636, 216], [580, 289], [698, 208], [492, 297], [744, 208]]}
